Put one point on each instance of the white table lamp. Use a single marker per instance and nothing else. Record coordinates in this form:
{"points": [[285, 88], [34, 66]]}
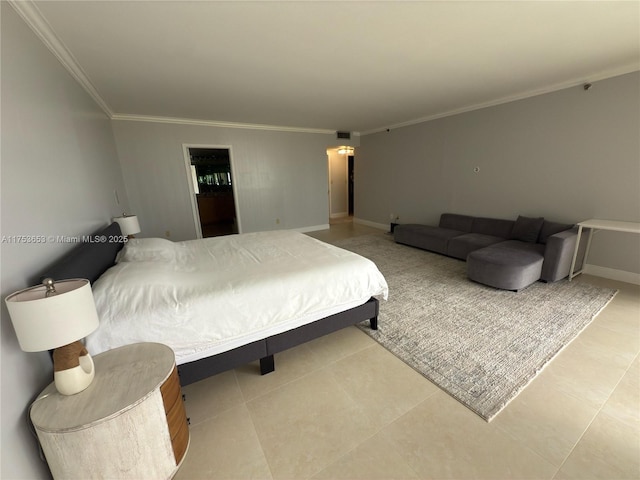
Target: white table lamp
{"points": [[56, 316], [129, 224]]}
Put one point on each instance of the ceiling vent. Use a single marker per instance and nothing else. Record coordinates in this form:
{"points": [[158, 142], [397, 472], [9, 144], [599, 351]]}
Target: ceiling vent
{"points": [[345, 135]]}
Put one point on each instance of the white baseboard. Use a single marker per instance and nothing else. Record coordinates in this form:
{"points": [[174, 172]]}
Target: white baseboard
{"points": [[612, 274], [312, 229], [339, 215], [381, 226]]}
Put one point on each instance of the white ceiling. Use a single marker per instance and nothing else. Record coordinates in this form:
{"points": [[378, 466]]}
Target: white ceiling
{"points": [[355, 66]]}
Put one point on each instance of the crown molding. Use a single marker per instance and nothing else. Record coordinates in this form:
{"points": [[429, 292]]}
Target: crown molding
{"points": [[30, 13], [630, 68], [32, 16], [214, 123]]}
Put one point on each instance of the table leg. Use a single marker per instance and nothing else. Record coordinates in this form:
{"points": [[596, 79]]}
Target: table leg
{"points": [[575, 254], [586, 252]]}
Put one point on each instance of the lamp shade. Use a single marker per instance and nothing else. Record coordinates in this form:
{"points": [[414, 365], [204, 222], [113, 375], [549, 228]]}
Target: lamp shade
{"points": [[128, 224], [44, 323]]}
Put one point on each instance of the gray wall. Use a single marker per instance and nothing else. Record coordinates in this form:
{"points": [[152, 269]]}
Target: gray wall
{"points": [[568, 156], [281, 177], [59, 173]]}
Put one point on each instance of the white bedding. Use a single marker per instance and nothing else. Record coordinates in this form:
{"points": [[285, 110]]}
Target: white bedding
{"points": [[203, 297]]}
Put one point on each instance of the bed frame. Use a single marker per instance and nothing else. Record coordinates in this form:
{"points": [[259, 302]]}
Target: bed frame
{"points": [[98, 253]]}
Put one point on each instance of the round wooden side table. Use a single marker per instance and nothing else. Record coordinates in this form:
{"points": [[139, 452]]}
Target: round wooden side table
{"points": [[129, 423]]}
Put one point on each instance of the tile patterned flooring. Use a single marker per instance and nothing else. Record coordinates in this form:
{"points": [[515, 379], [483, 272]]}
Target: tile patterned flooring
{"points": [[343, 407]]}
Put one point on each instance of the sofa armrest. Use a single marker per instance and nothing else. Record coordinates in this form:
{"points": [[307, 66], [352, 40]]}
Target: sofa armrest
{"points": [[558, 255]]}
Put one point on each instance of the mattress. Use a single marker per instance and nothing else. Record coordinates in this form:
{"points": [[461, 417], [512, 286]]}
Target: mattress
{"points": [[203, 297]]}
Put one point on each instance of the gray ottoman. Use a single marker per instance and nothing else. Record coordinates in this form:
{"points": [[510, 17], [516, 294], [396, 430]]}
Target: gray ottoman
{"points": [[503, 267]]}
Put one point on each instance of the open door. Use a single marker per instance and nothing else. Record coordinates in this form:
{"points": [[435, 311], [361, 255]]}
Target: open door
{"points": [[213, 191], [350, 175]]}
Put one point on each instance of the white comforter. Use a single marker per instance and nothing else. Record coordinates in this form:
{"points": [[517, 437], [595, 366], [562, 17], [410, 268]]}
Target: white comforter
{"points": [[203, 297]]}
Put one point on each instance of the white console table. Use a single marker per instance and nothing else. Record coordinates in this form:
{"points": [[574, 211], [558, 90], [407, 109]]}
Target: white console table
{"points": [[594, 225]]}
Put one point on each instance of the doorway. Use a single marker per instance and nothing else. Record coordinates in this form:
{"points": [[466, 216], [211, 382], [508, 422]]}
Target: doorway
{"points": [[341, 184], [213, 189]]}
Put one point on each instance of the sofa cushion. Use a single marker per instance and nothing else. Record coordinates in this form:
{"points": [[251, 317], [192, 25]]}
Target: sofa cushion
{"points": [[558, 254], [492, 226], [527, 229], [551, 228], [536, 248], [426, 237], [463, 245], [502, 267], [453, 221]]}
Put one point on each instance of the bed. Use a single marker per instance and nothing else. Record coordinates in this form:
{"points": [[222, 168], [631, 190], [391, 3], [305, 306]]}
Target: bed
{"points": [[222, 302]]}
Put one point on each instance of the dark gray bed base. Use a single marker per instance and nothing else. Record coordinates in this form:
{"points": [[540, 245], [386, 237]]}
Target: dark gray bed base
{"points": [[264, 350], [90, 260]]}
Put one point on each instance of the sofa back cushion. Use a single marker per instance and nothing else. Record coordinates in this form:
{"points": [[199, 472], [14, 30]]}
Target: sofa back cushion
{"points": [[527, 229], [551, 228], [453, 221], [492, 226]]}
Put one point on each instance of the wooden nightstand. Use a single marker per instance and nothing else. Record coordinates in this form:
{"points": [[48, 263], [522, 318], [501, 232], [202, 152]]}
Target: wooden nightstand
{"points": [[129, 423]]}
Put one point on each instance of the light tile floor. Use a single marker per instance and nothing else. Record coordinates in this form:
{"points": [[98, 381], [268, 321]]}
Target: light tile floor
{"points": [[343, 407]]}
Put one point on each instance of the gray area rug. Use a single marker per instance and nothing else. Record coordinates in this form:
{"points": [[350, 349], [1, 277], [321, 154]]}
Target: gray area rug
{"points": [[479, 344]]}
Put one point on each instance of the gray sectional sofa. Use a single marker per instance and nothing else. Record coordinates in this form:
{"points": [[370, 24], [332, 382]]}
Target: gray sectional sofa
{"points": [[504, 254]]}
